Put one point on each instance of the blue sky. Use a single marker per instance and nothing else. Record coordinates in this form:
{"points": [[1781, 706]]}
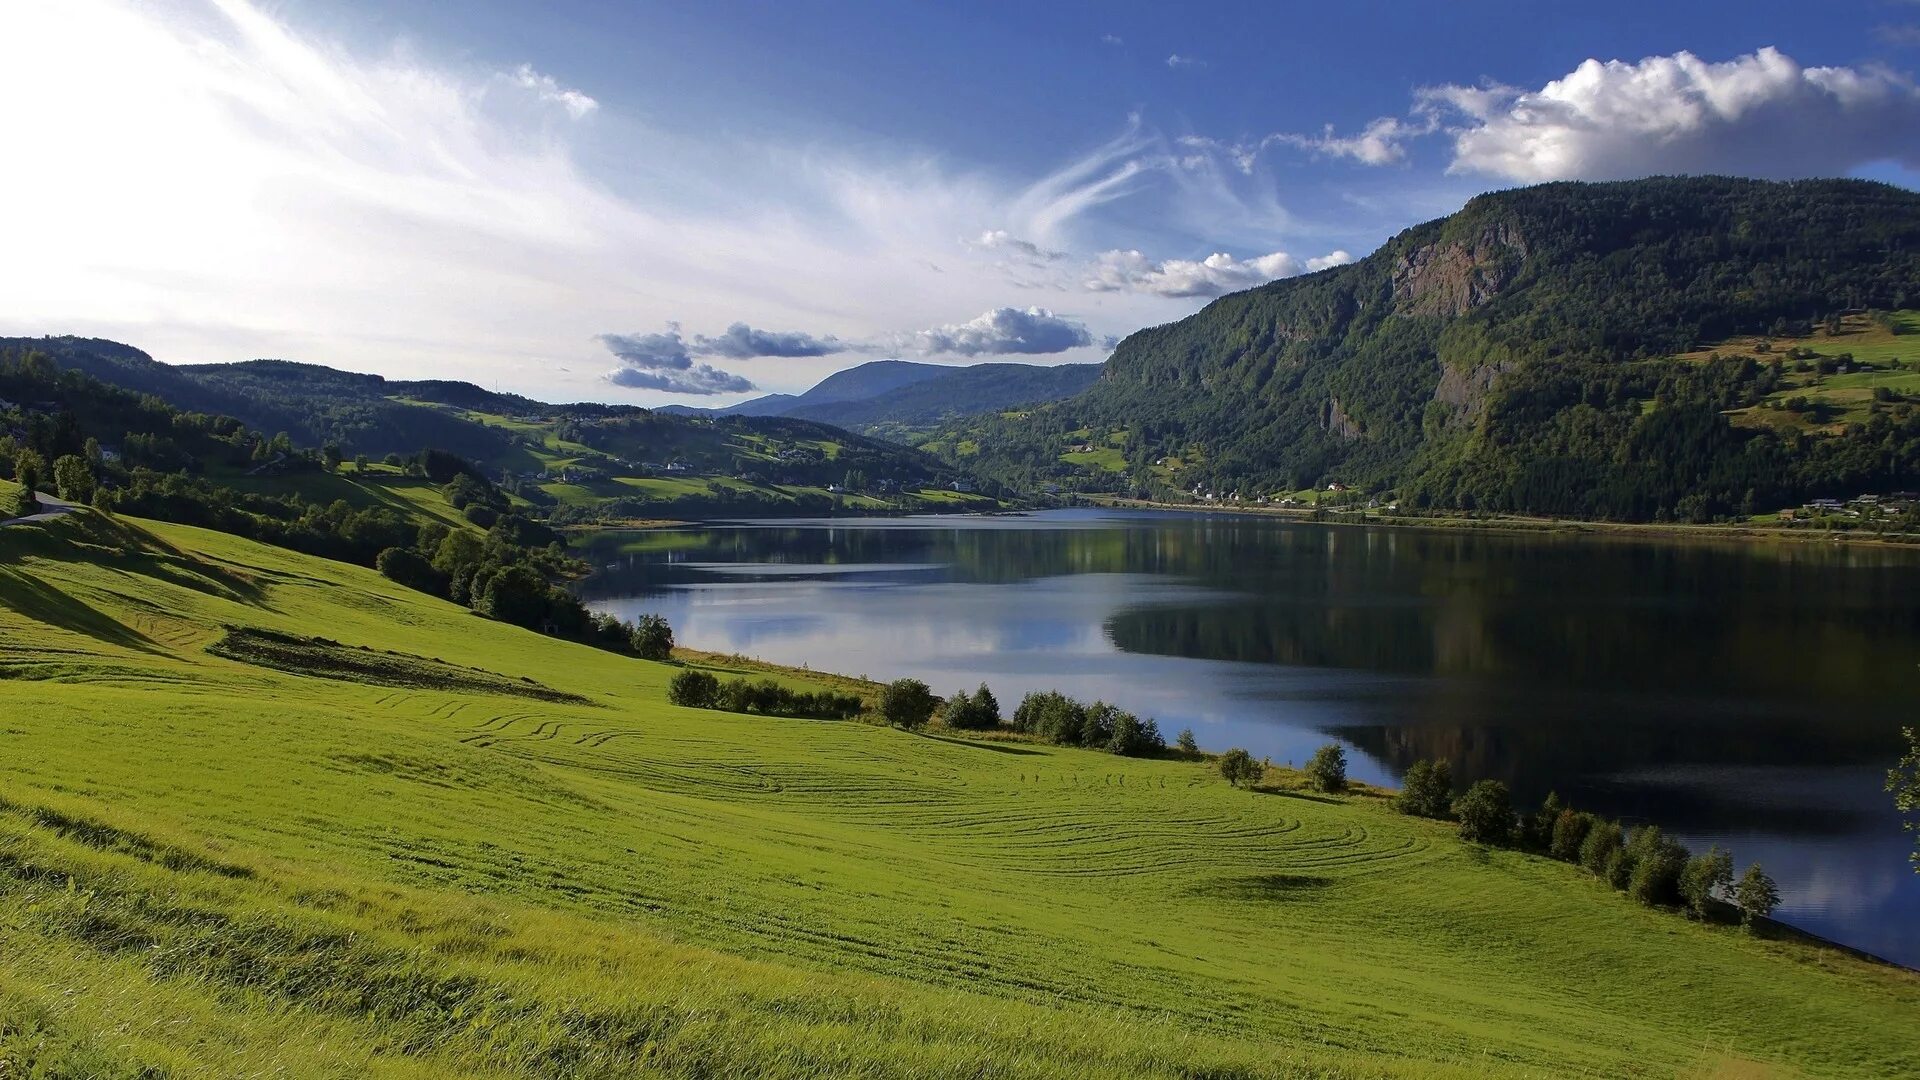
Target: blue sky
{"points": [[656, 202]]}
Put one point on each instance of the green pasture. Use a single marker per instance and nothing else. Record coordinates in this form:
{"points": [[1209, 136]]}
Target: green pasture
{"points": [[514, 857]]}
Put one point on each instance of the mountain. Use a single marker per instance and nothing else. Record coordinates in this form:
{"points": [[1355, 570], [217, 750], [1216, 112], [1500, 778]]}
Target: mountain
{"points": [[887, 396], [1545, 349], [581, 461], [948, 392]]}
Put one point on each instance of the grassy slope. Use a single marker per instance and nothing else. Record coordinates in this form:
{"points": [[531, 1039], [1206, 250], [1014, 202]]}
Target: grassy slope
{"points": [[302, 873], [1841, 399]]}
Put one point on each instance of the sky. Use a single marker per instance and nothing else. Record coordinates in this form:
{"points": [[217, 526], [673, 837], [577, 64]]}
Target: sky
{"points": [[659, 202]]}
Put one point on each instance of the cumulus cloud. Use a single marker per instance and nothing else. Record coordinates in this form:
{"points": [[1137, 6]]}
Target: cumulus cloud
{"points": [[1033, 331], [664, 362], [1215, 275], [742, 342], [1759, 114], [550, 91]]}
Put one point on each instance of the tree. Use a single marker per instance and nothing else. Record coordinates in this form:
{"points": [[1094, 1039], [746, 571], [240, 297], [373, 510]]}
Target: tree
{"points": [[1134, 737], [1186, 742], [1328, 769], [73, 478], [652, 638], [1539, 826], [1485, 813], [1755, 895], [1597, 849], [978, 711], [1569, 833], [693, 689], [907, 703], [1903, 780], [330, 456], [408, 567], [1705, 877], [1658, 862], [28, 477], [1426, 790], [1240, 768], [516, 594]]}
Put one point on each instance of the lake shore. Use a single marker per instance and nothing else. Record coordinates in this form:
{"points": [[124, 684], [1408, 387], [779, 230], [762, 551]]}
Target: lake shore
{"points": [[1530, 525]]}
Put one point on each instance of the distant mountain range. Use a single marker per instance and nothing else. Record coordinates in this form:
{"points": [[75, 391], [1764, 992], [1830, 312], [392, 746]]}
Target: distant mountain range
{"points": [[885, 395]]}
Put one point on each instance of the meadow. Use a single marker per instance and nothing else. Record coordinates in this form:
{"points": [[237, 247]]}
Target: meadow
{"points": [[224, 852]]}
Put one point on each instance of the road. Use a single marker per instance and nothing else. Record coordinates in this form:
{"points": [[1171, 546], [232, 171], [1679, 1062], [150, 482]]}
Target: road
{"points": [[50, 508]]}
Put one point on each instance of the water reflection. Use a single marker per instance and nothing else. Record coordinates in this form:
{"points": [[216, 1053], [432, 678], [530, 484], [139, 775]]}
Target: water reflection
{"points": [[1746, 693]]}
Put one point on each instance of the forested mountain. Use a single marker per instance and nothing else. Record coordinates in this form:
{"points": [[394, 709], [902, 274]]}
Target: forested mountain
{"points": [[951, 392], [895, 397], [1522, 354], [583, 461]]}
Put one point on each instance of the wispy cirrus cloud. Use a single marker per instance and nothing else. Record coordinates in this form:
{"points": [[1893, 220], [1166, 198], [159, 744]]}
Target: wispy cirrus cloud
{"points": [[386, 210]]}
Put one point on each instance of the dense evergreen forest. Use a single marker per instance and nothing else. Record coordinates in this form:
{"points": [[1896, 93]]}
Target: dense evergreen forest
{"points": [[1524, 354]]}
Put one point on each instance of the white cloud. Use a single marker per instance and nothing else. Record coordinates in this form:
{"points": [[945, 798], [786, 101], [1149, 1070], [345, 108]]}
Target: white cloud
{"points": [[1034, 331], [1111, 39], [548, 90], [1759, 114], [1179, 61], [1215, 275], [1382, 142], [224, 184]]}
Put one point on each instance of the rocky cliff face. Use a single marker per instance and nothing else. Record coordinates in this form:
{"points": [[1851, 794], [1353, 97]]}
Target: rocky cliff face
{"points": [[1453, 278]]}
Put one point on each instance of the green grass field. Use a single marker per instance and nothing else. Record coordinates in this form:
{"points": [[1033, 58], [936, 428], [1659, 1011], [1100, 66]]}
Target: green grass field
{"points": [[252, 864]]}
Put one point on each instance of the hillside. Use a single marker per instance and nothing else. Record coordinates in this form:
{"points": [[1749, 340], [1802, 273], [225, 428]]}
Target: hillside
{"points": [[582, 461], [948, 393], [510, 857], [897, 399], [1536, 351]]}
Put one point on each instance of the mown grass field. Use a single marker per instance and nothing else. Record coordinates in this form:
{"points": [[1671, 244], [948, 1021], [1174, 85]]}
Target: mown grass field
{"points": [[211, 866]]}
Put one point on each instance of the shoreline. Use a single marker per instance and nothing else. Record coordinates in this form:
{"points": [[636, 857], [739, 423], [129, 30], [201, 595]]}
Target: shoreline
{"points": [[1519, 524]]}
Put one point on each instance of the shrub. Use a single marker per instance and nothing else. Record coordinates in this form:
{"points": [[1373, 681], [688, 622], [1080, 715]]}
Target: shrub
{"points": [[1328, 769], [1569, 833], [1755, 895], [1706, 876], [405, 566], [1596, 849], [907, 703], [1485, 813], [1186, 742], [1426, 790], [693, 689], [1240, 768], [1657, 864], [652, 638]]}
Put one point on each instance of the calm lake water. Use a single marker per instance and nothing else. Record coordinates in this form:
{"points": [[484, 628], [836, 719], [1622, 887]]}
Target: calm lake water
{"points": [[1744, 694]]}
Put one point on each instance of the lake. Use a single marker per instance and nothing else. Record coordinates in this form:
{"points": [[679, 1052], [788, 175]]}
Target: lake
{"points": [[1746, 694]]}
